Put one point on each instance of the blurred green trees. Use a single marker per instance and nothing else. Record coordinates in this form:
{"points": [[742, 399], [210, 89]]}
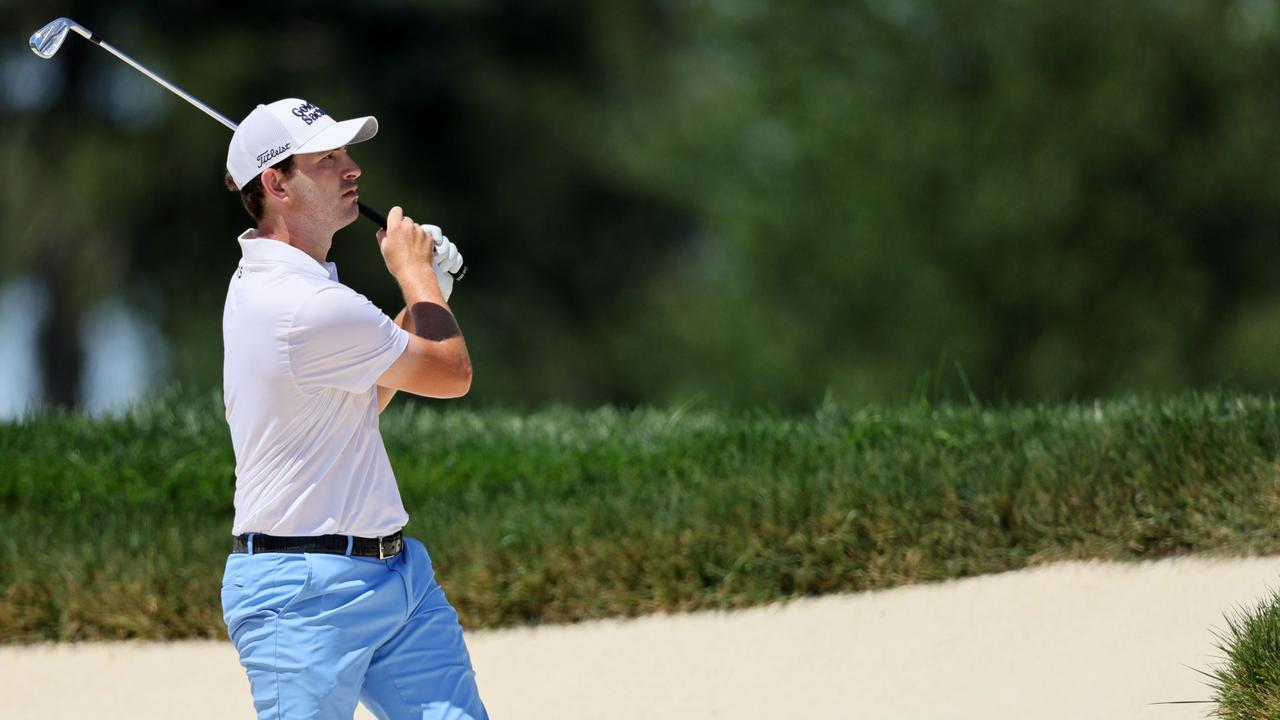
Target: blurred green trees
{"points": [[736, 202], [1064, 198]]}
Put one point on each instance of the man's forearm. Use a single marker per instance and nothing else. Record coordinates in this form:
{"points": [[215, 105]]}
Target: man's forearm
{"points": [[430, 314], [427, 315]]}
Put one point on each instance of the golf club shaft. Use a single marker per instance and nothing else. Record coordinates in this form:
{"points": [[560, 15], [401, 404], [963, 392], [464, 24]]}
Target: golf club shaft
{"points": [[373, 215], [93, 38]]}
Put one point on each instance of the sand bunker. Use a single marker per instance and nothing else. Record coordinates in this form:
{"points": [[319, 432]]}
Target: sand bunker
{"points": [[1075, 640]]}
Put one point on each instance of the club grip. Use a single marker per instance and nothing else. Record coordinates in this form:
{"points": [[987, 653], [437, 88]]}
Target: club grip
{"points": [[381, 221], [372, 214]]}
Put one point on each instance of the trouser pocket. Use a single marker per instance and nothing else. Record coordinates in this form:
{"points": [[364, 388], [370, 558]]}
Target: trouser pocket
{"points": [[260, 587]]}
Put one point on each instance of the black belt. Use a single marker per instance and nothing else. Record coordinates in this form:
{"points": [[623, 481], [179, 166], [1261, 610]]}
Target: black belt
{"points": [[381, 548]]}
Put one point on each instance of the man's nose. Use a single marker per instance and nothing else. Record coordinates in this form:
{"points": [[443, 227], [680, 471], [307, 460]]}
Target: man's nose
{"points": [[353, 171]]}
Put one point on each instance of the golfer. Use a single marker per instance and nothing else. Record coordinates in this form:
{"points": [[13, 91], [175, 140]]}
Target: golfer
{"points": [[326, 601]]}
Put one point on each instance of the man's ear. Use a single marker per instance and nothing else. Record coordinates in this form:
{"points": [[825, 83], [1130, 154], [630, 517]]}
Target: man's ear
{"points": [[273, 184]]}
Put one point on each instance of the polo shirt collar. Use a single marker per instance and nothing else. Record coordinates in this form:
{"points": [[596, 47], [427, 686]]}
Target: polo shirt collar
{"points": [[267, 250]]}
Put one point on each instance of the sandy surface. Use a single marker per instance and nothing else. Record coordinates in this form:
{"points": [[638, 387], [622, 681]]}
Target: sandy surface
{"points": [[1077, 640]]}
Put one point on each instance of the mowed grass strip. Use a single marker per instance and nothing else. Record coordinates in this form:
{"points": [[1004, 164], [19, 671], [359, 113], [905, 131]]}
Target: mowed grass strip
{"points": [[119, 528]]}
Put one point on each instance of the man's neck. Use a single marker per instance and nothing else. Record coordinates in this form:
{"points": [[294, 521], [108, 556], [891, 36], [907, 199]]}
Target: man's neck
{"points": [[315, 244]]}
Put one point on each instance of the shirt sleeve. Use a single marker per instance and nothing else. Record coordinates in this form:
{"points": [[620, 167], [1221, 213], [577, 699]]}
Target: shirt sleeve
{"points": [[341, 340]]}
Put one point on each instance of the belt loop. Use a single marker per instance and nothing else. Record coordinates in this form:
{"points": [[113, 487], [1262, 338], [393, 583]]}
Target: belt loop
{"points": [[251, 542], [351, 541]]}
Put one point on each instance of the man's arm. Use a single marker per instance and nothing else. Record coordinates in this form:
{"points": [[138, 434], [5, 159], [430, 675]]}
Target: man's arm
{"points": [[435, 363], [404, 320]]}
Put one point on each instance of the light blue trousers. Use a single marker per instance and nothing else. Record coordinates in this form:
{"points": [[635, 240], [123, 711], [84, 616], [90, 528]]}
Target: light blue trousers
{"points": [[316, 633]]}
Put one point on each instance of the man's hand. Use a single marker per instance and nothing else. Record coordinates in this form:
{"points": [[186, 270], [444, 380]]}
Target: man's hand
{"points": [[447, 259], [405, 246]]}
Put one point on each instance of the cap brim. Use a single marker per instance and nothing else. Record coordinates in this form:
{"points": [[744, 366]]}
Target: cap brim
{"points": [[347, 132]]}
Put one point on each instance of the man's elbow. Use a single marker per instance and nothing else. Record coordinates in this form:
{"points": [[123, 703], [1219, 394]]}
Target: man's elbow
{"points": [[460, 381]]}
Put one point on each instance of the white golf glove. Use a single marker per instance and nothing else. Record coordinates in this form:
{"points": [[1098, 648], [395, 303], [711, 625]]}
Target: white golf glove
{"points": [[447, 259]]}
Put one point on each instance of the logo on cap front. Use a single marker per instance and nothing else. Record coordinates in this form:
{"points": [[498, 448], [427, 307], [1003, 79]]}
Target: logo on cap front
{"points": [[308, 112], [267, 155]]}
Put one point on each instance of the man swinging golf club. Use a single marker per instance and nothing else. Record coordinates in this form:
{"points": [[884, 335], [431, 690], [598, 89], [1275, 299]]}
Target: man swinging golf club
{"points": [[326, 602]]}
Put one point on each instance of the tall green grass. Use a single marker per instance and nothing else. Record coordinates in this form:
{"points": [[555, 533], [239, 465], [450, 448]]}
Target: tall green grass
{"points": [[1247, 684], [114, 528]]}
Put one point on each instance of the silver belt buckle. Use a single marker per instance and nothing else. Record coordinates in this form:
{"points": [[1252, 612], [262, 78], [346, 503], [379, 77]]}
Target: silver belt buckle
{"points": [[389, 549]]}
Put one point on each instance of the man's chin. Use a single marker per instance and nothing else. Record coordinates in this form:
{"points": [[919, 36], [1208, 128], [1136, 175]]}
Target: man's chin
{"points": [[352, 214]]}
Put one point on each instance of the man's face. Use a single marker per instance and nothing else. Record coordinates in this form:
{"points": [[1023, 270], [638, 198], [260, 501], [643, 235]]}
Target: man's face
{"points": [[324, 187]]}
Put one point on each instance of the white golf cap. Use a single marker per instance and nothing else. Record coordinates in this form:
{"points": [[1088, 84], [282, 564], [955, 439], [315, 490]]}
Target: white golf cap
{"points": [[287, 127]]}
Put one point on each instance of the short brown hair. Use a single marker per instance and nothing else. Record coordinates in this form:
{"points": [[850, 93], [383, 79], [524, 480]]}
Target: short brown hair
{"points": [[251, 195]]}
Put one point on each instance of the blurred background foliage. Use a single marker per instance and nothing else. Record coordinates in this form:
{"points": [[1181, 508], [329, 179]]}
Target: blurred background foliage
{"points": [[726, 202]]}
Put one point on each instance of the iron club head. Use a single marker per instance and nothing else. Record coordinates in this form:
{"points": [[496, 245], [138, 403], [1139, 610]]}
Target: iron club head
{"points": [[46, 41]]}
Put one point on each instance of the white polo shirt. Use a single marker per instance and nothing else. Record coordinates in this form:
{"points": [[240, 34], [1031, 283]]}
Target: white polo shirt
{"points": [[302, 355]]}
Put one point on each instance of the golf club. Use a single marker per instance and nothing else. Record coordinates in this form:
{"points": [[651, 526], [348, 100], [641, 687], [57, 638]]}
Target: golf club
{"points": [[46, 41]]}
